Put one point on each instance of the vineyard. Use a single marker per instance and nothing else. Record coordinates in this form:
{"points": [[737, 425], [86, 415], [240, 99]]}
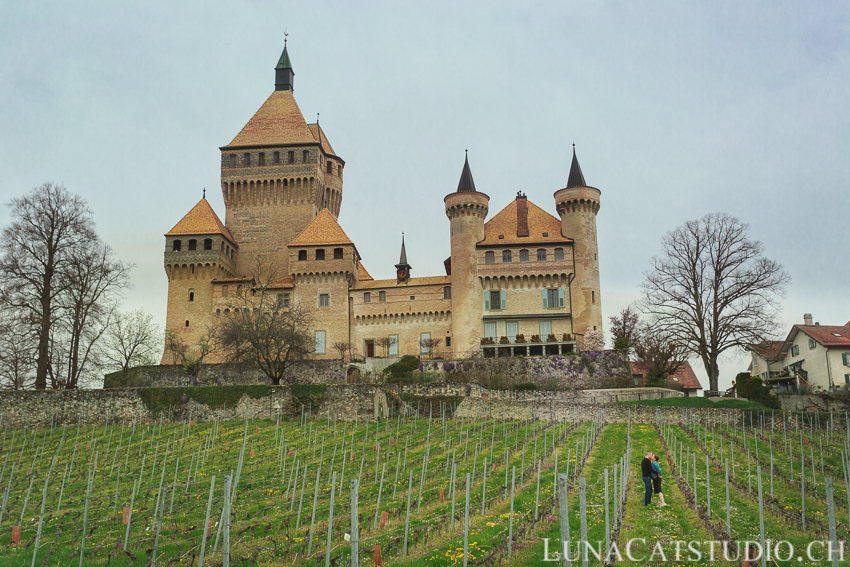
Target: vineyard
{"points": [[414, 490]]}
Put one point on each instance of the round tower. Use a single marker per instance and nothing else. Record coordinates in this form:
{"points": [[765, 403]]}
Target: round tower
{"points": [[466, 209], [577, 205]]}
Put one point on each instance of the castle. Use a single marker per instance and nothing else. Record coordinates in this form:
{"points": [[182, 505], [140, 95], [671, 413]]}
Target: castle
{"points": [[524, 282]]}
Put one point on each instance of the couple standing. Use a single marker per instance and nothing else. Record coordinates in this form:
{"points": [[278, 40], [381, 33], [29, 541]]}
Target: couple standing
{"points": [[651, 472]]}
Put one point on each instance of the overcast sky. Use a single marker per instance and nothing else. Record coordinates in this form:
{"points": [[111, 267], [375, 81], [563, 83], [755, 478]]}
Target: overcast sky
{"points": [[677, 109]]}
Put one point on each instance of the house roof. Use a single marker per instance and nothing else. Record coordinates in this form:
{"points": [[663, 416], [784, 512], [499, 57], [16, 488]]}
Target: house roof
{"points": [[684, 375], [200, 220], [539, 222], [413, 282], [323, 230], [364, 275], [767, 349], [827, 335], [278, 122], [283, 283]]}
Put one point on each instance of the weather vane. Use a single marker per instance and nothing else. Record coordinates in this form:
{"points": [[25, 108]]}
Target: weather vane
{"points": [[285, 35]]}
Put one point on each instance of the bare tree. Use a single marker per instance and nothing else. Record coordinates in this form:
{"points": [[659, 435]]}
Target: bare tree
{"points": [[342, 347], [431, 345], [131, 340], [264, 333], [712, 289], [190, 356], [48, 225], [660, 353], [386, 343], [626, 325], [17, 353], [94, 281]]}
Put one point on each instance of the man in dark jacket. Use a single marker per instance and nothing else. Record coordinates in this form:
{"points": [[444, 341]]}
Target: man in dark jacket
{"points": [[646, 471]]}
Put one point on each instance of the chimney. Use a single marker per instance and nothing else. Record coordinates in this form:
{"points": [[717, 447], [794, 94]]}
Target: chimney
{"points": [[521, 214], [807, 319]]}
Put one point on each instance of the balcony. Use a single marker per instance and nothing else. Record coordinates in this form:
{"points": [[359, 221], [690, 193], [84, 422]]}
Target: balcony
{"points": [[491, 347]]}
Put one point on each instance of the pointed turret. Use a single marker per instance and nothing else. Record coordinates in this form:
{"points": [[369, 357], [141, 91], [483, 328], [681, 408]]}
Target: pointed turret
{"points": [[402, 269], [284, 76], [576, 179], [466, 184]]}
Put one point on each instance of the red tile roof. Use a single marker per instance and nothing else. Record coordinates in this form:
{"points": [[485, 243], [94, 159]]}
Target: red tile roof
{"points": [[323, 230], [828, 335], [423, 281], [539, 222], [767, 349], [364, 275], [200, 220], [684, 376], [278, 122], [319, 135]]}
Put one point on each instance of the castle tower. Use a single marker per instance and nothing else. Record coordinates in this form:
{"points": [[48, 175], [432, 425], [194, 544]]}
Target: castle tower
{"points": [[466, 209], [276, 175], [577, 205]]}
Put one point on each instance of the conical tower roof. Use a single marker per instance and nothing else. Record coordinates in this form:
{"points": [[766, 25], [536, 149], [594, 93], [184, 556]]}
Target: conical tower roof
{"points": [[576, 179], [402, 261], [466, 184]]}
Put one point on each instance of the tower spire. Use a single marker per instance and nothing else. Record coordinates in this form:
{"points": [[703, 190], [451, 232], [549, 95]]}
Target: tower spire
{"points": [[402, 269], [466, 184], [576, 179], [284, 76]]}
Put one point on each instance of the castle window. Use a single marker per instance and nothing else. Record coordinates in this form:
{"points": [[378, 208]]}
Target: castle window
{"points": [[302, 255], [523, 255], [324, 300], [593, 297], [227, 312], [187, 322], [193, 244], [393, 345], [330, 167], [262, 158], [191, 296], [224, 291], [448, 342], [495, 301], [320, 342], [291, 157], [218, 312], [337, 253], [545, 234], [231, 252], [320, 254], [207, 243], [175, 246], [276, 157], [367, 297], [425, 343], [412, 297], [305, 155], [247, 159], [382, 296], [559, 253], [812, 344], [489, 257], [506, 256], [232, 160], [541, 255], [222, 246], [286, 300], [339, 171], [447, 292], [553, 298]]}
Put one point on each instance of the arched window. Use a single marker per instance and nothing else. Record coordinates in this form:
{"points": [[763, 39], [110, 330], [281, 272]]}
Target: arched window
{"points": [[337, 253], [523, 255], [191, 295], [193, 244], [447, 292], [320, 254], [187, 322], [175, 246], [227, 312], [207, 243], [541, 254], [489, 257], [506, 256], [302, 255], [559, 253]]}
